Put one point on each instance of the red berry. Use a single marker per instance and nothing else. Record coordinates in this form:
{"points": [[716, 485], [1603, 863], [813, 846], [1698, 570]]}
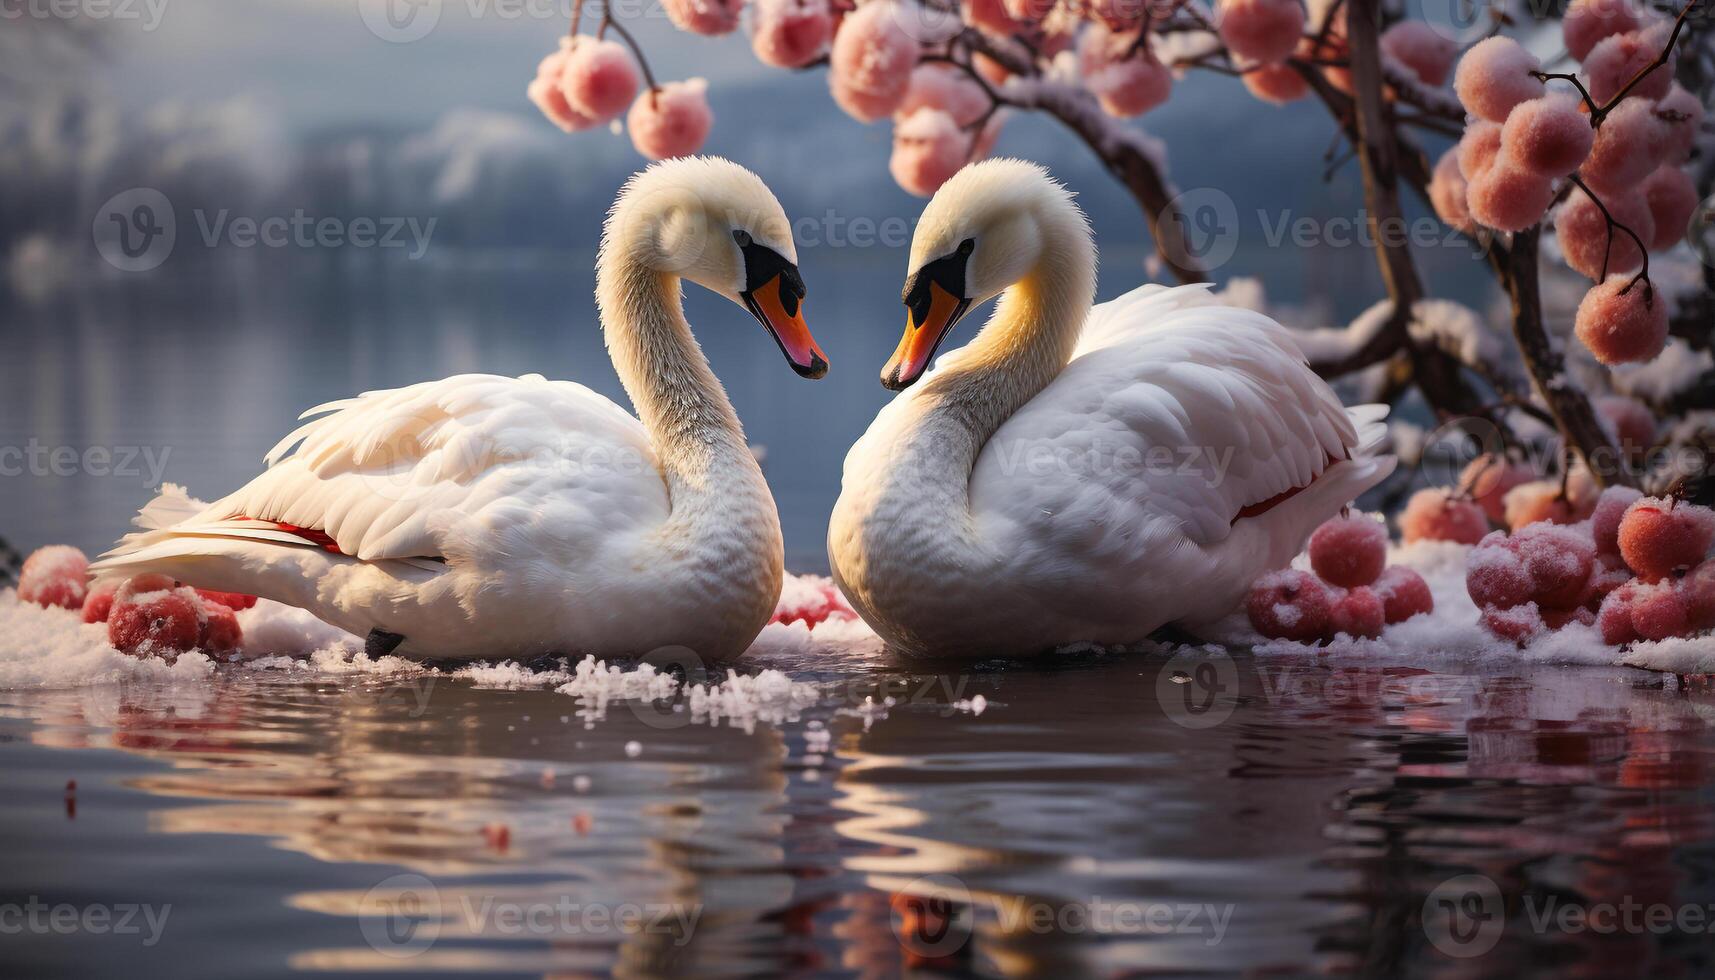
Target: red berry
{"points": [[1683, 129], [599, 78], [1494, 75], [1421, 49], [1615, 61], [236, 601], [1589, 21], [708, 17], [1659, 612], [671, 121], [1495, 575], [1261, 30], [1349, 551], [1508, 197], [1632, 142], [1520, 624], [220, 632], [98, 604], [1672, 199], [1629, 421], [1404, 594], [1436, 514], [1660, 537], [1448, 190], [1610, 510], [1488, 478], [1548, 136], [1586, 237], [148, 618], [1614, 619], [1478, 149], [1698, 592], [1538, 502], [1559, 619], [1290, 605], [1622, 322], [1559, 561], [1358, 613], [54, 576]]}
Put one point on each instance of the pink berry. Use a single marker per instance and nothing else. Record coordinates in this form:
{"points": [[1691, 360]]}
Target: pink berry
{"points": [[1672, 200], [1261, 30], [1496, 576], [1290, 605], [991, 16], [869, 68], [1559, 561], [1349, 551], [1614, 619], [1615, 60], [928, 149], [1658, 612], [1404, 594], [1548, 136], [791, 33], [1421, 49], [1489, 477], [1622, 322], [1659, 537], [1127, 82], [1629, 421], [54, 576], [151, 614], [935, 86], [709, 17], [1519, 624], [1697, 590], [1436, 514], [1539, 501], [1479, 148], [600, 79], [672, 121], [1494, 76], [1558, 619], [98, 604], [1610, 510], [550, 97], [1589, 21], [1681, 117], [1447, 192], [1509, 198], [220, 633], [1358, 613], [1611, 573], [1631, 143], [1586, 237], [1278, 83]]}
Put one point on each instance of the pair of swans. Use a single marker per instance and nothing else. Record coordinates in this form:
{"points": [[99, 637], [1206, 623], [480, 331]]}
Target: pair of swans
{"points": [[481, 516]]}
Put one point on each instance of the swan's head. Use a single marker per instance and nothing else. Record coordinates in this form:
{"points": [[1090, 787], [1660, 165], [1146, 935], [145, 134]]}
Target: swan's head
{"points": [[984, 230], [718, 225]]}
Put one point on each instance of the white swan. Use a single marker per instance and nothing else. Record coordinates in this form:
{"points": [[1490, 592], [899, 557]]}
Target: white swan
{"points": [[482, 516], [1077, 475]]}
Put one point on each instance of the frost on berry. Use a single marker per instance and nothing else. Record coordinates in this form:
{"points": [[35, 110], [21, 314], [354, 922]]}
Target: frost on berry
{"points": [[1698, 592], [1658, 612], [1660, 537], [1495, 75], [1587, 238], [1614, 619], [936, 86], [600, 79], [1290, 605], [928, 149], [1478, 148], [1349, 551], [1447, 191], [1548, 136], [1559, 561], [1630, 144], [791, 33], [1421, 50], [1517, 624], [1404, 594], [1616, 60], [1438, 514], [1537, 502], [869, 68], [546, 93], [1127, 82], [1672, 200], [1489, 477], [1681, 116], [1589, 21], [154, 615], [1610, 510], [672, 121], [1622, 321], [1261, 30], [1359, 613], [98, 603], [54, 576], [710, 17], [1509, 198], [1496, 576], [1629, 421]]}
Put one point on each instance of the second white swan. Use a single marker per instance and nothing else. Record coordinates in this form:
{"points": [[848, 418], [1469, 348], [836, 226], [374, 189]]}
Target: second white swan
{"points": [[1078, 475]]}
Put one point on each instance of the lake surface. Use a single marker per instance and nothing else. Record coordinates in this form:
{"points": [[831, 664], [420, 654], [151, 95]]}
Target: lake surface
{"points": [[1112, 817]]}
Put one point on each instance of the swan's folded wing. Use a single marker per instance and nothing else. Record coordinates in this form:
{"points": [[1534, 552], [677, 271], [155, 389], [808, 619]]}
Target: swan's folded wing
{"points": [[1127, 317], [1164, 436], [437, 468]]}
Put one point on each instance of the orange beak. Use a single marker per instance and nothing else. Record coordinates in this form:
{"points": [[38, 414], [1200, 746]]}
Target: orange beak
{"points": [[923, 336], [782, 312]]}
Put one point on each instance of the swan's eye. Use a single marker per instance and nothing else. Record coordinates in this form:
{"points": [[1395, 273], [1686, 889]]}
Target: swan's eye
{"points": [[742, 237]]}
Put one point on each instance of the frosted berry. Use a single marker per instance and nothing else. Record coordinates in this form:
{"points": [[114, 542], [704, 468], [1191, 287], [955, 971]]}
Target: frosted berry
{"points": [[98, 603], [1589, 21], [1349, 551], [928, 149], [1509, 198], [1479, 148], [791, 33], [672, 121], [1681, 117], [1537, 502], [1615, 60], [1489, 477], [600, 78], [1559, 561], [1698, 591], [151, 614], [1358, 613], [1586, 237], [1548, 137], [709, 17], [1659, 537], [1404, 594], [1658, 612], [1494, 75], [1421, 49], [220, 633], [1290, 605], [1610, 510], [869, 67], [1261, 30], [1629, 421], [1448, 190], [1622, 321], [1631, 143], [54, 576], [1437, 514], [1672, 200], [1519, 624], [1496, 576]]}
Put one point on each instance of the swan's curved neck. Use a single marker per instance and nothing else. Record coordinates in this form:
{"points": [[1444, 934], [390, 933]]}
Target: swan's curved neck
{"points": [[681, 403], [1024, 346]]}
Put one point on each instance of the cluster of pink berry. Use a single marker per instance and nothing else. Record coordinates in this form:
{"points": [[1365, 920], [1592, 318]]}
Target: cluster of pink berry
{"points": [[149, 614], [1352, 591], [812, 601], [590, 81], [1619, 142], [1638, 569]]}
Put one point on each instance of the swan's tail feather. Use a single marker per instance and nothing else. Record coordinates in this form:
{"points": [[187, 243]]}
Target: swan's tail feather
{"points": [[1371, 423]]}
